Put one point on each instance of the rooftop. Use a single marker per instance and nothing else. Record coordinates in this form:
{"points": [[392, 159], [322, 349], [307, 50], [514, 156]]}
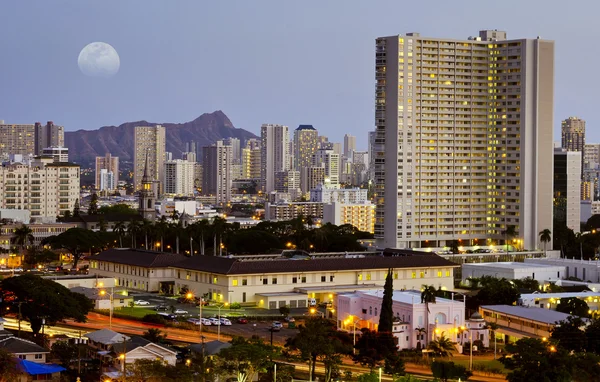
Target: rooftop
{"points": [[409, 297], [512, 265], [106, 337], [139, 257], [305, 127], [17, 345], [546, 316], [561, 295]]}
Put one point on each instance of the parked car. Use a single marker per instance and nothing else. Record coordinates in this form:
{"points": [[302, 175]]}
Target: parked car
{"points": [[194, 321], [225, 321], [205, 321], [181, 311], [276, 326], [214, 321], [141, 302], [242, 320], [290, 319], [161, 308]]}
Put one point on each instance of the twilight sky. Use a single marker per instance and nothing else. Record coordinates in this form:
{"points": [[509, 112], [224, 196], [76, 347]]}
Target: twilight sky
{"points": [[260, 61]]}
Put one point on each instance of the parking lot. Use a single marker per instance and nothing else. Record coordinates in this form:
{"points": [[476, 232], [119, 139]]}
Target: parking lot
{"points": [[255, 326]]}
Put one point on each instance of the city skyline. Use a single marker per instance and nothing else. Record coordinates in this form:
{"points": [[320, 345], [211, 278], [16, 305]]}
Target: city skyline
{"points": [[175, 58]]}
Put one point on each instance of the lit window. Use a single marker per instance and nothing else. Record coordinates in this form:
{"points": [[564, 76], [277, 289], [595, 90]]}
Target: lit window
{"points": [[215, 280], [421, 274], [439, 274], [360, 277], [368, 276], [414, 275], [234, 282], [447, 273]]}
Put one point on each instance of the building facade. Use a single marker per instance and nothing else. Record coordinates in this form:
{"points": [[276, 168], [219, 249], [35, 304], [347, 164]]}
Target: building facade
{"points": [[251, 163], [567, 188], [311, 177], [325, 193], [57, 153], [48, 135], [45, 188], [216, 178], [179, 177], [111, 165], [288, 182], [149, 141], [306, 142], [288, 211], [591, 155], [572, 132], [463, 138], [360, 215], [330, 161], [274, 154], [349, 145]]}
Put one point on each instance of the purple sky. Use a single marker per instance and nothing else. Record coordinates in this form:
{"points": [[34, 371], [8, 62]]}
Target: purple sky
{"points": [[304, 62]]}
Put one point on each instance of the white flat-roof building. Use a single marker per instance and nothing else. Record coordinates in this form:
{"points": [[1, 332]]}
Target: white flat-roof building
{"points": [[362, 309], [551, 300], [513, 271], [586, 270]]}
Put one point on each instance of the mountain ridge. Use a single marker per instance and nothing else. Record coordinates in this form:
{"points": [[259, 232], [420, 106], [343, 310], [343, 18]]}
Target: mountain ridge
{"points": [[85, 145]]}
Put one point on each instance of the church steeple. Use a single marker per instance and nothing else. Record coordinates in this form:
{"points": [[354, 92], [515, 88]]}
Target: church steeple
{"points": [[146, 195]]}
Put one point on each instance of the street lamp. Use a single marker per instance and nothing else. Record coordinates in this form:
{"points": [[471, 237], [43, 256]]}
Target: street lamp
{"points": [[347, 322], [219, 306], [464, 329], [110, 311]]}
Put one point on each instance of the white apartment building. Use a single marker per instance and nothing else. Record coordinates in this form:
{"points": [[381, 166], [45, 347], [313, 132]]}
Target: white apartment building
{"points": [[58, 153], [327, 193], [42, 186], [306, 142], [513, 271], [582, 269], [111, 164], [107, 180], [330, 161], [216, 177], [288, 211], [567, 187], [463, 138], [179, 177], [270, 282], [166, 207], [288, 182], [360, 215], [251, 163], [591, 155], [274, 154], [361, 309], [149, 141]]}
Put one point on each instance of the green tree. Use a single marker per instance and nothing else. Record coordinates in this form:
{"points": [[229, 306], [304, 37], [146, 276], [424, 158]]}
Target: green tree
{"points": [[155, 335], [64, 352], [23, 236], [509, 233], [573, 306], [244, 358], [318, 340], [76, 208], [492, 327], [545, 237], [496, 292], [120, 229], [592, 334], [41, 299], [368, 377], [449, 370], [527, 283], [93, 208], [117, 209], [284, 310], [569, 334], [442, 347], [531, 359], [133, 228], [374, 348], [386, 317], [9, 370], [76, 240]]}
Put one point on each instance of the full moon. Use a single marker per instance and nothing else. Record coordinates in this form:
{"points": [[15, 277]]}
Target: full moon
{"points": [[99, 59]]}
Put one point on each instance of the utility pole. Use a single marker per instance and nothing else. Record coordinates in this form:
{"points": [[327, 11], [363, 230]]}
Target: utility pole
{"points": [[79, 355]]}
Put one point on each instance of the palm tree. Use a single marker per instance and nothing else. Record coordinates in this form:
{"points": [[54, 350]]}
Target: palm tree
{"points": [[442, 347], [492, 326], [474, 281], [218, 228], [146, 228], [420, 332], [119, 229], [23, 236], [509, 232], [545, 237], [161, 228], [428, 296], [133, 229]]}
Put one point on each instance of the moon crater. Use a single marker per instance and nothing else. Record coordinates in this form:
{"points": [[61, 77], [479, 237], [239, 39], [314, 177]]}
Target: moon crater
{"points": [[99, 59]]}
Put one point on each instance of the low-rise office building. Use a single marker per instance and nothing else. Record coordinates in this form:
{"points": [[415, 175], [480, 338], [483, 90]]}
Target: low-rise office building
{"points": [[586, 270], [275, 281], [551, 300], [513, 271]]}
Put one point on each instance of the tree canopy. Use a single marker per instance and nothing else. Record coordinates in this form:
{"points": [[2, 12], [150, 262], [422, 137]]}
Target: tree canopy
{"points": [[244, 358], [573, 306], [43, 299], [386, 317], [76, 241]]}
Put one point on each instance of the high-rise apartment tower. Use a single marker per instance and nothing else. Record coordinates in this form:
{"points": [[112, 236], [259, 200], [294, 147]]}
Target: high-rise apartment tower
{"points": [[150, 141]]}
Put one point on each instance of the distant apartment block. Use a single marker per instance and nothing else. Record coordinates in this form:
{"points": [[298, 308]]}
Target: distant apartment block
{"points": [[311, 177], [324, 193], [567, 187], [572, 132], [48, 135], [463, 145], [274, 153], [306, 142], [28, 139], [360, 215], [216, 178], [111, 165], [251, 163], [288, 182], [330, 161], [179, 177], [42, 186], [288, 211], [150, 141], [591, 155], [349, 145]]}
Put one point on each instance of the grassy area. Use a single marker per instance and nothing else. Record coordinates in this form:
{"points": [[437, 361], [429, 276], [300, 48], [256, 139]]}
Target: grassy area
{"points": [[487, 365], [134, 312]]}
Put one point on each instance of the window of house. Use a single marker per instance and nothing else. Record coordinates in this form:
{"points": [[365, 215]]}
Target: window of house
{"points": [[421, 274], [303, 279], [265, 281], [360, 277], [395, 275], [414, 275], [215, 279], [447, 273], [274, 281], [38, 356], [323, 278], [331, 278], [234, 282], [371, 310], [439, 274], [244, 281], [22, 356], [294, 280], [369, 276]]}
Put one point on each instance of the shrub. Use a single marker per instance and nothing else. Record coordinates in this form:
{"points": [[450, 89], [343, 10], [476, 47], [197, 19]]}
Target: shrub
{"points": [[154, 319]]}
